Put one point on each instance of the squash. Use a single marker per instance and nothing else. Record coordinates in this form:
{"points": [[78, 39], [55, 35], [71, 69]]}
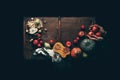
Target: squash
{"points": [[60, 49]]}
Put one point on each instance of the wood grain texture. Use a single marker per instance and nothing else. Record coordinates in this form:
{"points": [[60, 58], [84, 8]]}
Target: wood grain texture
{"points": [[70, 26]]}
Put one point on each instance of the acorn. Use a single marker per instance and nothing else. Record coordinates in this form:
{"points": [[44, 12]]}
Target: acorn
{"points": [[40, 31]]}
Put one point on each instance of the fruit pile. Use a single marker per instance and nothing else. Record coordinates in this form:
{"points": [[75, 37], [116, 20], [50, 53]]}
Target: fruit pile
{"points": [[96, 32], [83, 43], [35, 30], [86, 40]]}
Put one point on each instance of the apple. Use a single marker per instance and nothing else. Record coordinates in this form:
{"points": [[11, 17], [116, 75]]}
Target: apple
{"points": [[98, 34], [51, 41], [77, 38], [82, 27], [90, 33], [94, 28], [68, 43], [75, 41], [41, 41], [35, 42], [81, 33], [75, 52], [39, 45]]}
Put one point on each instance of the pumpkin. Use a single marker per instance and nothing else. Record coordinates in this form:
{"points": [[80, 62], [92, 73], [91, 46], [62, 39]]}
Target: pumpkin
{"points": [[87, 45]]}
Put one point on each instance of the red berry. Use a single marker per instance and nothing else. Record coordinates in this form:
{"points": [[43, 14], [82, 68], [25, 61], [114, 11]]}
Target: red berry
{"points": [[75, 41], [82, 27], [39, 45], [35, 42], [68, 43], [41, 41]]}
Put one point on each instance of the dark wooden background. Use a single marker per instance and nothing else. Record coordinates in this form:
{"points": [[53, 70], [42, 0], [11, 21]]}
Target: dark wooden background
{"points": [[70, 26]]}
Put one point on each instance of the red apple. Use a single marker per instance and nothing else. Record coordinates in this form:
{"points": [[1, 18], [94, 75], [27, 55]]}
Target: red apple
{"points": [[68, 43], [77, 38], [75, 52], [75, 41], [81, 33], [35, 42], [51, 41], [39, 45], [90, 33], [98, 34], [94, 28], [82, 27], [41, 41]]}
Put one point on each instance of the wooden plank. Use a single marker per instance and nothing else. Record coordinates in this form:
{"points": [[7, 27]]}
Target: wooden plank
{"points": [[69, 28]]}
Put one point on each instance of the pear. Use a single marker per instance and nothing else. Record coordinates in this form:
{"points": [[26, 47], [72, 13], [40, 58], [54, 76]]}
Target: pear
{"points": [[85, 55], [47, 45]]}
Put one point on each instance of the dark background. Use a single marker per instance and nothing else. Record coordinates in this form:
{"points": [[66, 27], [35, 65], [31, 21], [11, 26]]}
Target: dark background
{"points": [[13, 64], [98, 65]]}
